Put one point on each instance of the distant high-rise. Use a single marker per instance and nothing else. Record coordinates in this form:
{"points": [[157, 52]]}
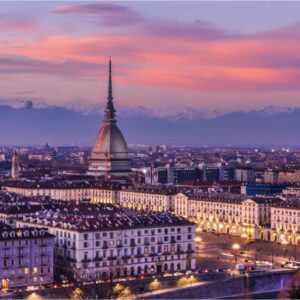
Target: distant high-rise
{"points": [[109, 153], [15, 165]]}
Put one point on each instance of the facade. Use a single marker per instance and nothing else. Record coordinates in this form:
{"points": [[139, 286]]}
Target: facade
{"points": [[285, 223], [109, 153], [226, 213], [66, 191], [289, 176], [102, 241], [26, 257], [244, 174], [148, 199]]}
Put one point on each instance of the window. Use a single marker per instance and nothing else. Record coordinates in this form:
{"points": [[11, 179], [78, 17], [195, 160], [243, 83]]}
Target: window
{"points": [[35, 270], [26, 271]]}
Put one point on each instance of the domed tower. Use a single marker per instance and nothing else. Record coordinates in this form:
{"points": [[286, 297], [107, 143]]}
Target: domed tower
{"points": [[109, 153]]}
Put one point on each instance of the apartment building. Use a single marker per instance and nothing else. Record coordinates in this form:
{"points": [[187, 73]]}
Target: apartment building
{"points": [[103, 241], [26, 256]]}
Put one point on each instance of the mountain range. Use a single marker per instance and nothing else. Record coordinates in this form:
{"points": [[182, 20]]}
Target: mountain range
{"points": [[30, 124]]}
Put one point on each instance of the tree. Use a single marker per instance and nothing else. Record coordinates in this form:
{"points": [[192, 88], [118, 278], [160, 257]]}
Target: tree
{"points": [[78, 294], [294, 292], [121, 292]]}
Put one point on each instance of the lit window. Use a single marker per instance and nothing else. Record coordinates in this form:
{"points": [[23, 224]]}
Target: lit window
{"points": [[35, 270], [26, 271]]}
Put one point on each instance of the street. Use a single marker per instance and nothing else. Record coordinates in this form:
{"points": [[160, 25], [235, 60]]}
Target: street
{"points": [[215, 251]]}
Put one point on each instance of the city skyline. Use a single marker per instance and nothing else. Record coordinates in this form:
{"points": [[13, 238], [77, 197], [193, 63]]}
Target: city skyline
{"points": [[208, 56]]}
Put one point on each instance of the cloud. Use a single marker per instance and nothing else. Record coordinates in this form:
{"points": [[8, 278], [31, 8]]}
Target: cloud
{"points": [[104, 13], [16, 23], [13, 64], [194, 56]]}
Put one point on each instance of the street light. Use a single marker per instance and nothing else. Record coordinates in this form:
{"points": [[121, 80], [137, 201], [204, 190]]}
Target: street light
{"points": [[198, 229], [244, 235], [236, 247], [198, 241], [284, 243]]}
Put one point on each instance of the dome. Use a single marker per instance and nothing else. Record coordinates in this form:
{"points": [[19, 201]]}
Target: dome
{"points": [[109, 153], [109, 142]]}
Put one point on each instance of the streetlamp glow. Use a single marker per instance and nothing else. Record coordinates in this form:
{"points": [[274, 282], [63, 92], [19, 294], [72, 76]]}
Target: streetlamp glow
{"points": [[198, 239], [244, 235], [236, 247]]}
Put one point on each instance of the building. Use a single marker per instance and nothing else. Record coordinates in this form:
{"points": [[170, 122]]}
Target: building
{"points": [[66, 190], [271, 176], [289, 176], [26, 256], [15, 166], [255, 189], [149, 198], [285, 223], [109, 153], [211, 172], [100, 241], [292, 191], [244, 174], [227, 213]]}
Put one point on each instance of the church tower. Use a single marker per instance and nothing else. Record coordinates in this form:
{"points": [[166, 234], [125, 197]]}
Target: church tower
{"points": [[15, 165], [109, 154]]}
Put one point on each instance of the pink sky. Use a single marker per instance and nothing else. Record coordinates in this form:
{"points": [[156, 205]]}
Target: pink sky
{"points": [[58, 54]]}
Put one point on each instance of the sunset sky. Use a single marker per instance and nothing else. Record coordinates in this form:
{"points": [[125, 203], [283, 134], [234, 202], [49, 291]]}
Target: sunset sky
{"points": [[223, 56]]}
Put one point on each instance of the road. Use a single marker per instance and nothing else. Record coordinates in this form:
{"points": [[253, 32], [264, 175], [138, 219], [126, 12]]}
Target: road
{"points": [[215, 251]]}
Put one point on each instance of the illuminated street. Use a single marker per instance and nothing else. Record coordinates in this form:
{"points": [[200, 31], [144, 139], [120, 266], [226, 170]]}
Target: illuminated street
{"points": [[216, 251]]}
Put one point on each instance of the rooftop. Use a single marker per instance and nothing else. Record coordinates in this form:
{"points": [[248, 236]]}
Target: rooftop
{"points": [[99, 217]]}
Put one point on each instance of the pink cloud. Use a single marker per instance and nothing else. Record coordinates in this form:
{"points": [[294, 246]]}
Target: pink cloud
{"points": [[171, 59], [16, 23], [107, 14]]}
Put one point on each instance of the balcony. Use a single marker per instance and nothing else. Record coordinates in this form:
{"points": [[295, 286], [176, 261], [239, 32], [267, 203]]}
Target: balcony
{"points": [[126, 257], [112, 258], [190, 251], [97, 258], [85, 260], [153, 254]]}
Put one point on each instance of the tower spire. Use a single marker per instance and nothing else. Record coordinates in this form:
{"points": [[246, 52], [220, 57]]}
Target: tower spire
{"points": [[110, 96], [110, 110]]}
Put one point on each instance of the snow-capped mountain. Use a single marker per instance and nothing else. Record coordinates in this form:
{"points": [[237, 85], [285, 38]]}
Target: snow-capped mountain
{"points": [[33, 123]]}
